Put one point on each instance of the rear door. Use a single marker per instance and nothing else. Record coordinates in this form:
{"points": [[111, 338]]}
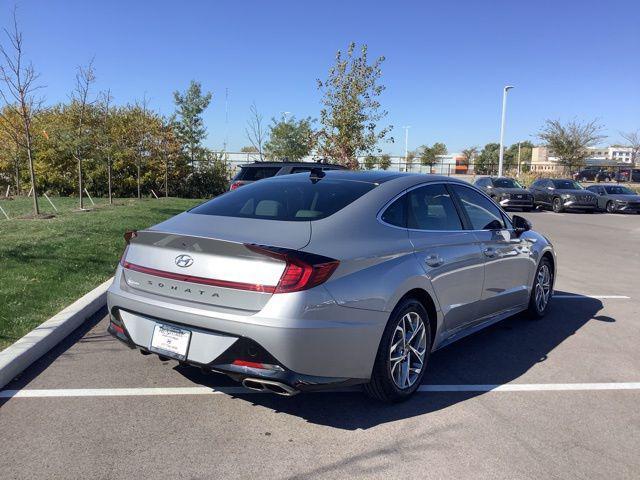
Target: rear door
{"points": [[451, 257], [506, 256]]}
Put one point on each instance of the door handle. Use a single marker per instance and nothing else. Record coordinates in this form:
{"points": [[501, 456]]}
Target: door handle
{"points": [[489, 252], [434, 260]]}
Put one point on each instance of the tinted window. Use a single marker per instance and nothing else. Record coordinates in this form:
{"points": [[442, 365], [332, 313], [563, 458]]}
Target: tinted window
{"points": [[618, 190], [257, 173], [483, 182], [567, 185], [395, 214], [483, 214], [431, 208], [506, 183], [293, 198]]}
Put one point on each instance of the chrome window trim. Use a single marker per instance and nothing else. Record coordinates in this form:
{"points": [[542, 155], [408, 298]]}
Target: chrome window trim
{"points": [[442, 182]]}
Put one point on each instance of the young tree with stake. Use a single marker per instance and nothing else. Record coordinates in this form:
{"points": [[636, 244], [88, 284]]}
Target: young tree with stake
{"points": [[18, 94]]}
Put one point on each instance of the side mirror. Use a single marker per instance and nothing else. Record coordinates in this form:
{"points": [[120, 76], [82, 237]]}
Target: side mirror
{"points": [[521, 224]]}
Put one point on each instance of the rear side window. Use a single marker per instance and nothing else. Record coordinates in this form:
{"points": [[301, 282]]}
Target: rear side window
{"points": [[286, 198], [482, 212], [431, 208], [395, 214], [256, 173]]}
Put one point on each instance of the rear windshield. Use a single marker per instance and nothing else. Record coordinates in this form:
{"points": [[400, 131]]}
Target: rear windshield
{"points": [[290, 198], [256, 173]]}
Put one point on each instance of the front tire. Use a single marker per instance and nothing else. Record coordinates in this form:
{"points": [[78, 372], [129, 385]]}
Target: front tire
{"points": [[557, 205], [542, 289], [402, 355], [611, 208]]}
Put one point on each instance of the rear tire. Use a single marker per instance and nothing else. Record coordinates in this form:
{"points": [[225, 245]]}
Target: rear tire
{"points": [[406, 336], [542, 290]]}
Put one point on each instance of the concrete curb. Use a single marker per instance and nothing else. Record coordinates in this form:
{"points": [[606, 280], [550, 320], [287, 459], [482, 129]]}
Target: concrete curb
{"points": [[17, 357]]}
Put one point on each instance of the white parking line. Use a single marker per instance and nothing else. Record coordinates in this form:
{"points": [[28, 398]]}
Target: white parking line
{"points": [[145, 392], [599, 297]]}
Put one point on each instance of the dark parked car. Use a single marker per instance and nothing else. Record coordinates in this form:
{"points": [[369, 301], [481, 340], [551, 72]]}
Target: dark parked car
{"points": [[616, 198], [252, 172], [507, 192], [562, 194], [624, 173], [594, 174]]}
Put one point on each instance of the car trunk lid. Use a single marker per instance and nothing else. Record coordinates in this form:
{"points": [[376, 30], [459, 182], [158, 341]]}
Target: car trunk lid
{"points": [[205, 259]]}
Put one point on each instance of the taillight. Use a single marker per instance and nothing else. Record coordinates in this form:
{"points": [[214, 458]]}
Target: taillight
{"points": [[128, 235], [303, 270], [235, 185]]}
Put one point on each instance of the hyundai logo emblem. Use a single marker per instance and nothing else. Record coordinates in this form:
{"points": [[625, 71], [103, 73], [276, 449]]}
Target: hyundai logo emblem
{"points": [[184, 260]]}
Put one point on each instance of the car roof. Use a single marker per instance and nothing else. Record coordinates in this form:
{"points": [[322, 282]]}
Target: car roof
{"points": [[292, 164]]}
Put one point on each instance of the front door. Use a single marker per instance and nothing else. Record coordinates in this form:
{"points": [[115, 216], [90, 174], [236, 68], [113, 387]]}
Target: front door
{"points": [[507, 257]]}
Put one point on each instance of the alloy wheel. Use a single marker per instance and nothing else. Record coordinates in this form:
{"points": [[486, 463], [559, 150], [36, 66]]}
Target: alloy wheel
{"points": [[408, 349], [610, 207], [543, 287]]}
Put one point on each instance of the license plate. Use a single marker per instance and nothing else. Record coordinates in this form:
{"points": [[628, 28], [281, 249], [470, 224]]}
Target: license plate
{"points": [[170, 341]]}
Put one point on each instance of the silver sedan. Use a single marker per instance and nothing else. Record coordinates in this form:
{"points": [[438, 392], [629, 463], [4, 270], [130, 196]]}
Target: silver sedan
{"points": [[327, 279]]}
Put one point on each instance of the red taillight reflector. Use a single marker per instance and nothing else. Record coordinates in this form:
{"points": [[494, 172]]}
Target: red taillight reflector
{"points": [[117, 328], [201, 280], [235, 185], [245, 363], [303, 270]]}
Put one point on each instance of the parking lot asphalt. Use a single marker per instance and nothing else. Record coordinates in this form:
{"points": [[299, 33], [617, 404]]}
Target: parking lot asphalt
{"points": [[589, 338]]}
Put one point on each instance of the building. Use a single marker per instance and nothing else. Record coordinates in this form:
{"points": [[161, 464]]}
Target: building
{"points": [[543, 161]]}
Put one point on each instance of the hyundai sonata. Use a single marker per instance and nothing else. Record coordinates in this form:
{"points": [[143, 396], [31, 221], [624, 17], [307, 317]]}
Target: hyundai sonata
{"points": [[326, 279]]}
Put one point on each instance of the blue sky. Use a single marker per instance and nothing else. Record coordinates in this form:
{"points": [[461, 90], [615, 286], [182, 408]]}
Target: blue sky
{"points": [[446, 62]]}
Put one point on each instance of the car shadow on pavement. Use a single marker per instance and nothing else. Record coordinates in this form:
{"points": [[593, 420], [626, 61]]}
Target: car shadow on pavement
{"points": [[497, 355]]}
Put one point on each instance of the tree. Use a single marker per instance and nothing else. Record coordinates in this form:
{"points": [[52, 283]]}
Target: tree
{"points": [[18, 94], [469, 155], [409, 159], [189, 125], [85, 77], [249, 149], [385, 161], [370, 162], [569, 142], [255, 131], [633, 141], [429, 155], [351, 108], [511, 154], [487, 160], [104, 138], [290, 139]]}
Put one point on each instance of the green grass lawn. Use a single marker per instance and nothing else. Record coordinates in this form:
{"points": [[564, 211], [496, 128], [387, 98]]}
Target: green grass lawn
{"points": [[47, 264]]}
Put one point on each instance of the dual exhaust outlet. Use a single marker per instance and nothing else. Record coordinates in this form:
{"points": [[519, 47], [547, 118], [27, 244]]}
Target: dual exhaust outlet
{"points": [[270, 386]]}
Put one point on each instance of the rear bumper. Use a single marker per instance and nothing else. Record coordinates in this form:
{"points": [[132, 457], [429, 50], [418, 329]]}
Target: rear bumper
{"points": [[314, 340]]}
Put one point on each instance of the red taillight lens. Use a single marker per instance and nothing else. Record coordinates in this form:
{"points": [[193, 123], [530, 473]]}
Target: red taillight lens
{"points": [[303, 270], [235, 185]]}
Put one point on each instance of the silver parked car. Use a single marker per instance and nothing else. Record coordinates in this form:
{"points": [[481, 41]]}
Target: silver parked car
{"points": [[325, 279]]}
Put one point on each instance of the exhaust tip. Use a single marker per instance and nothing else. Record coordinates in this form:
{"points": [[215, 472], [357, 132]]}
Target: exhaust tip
{"points": [[278, 388]]}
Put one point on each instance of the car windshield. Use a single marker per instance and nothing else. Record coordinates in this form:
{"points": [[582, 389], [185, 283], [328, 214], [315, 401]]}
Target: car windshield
{"points": [[567, 185], [289, 198], [618, 190], [506, 183]]}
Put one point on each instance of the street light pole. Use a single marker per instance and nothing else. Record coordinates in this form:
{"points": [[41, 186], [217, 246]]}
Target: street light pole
{"points": [[406, 146], [504, 116]]}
